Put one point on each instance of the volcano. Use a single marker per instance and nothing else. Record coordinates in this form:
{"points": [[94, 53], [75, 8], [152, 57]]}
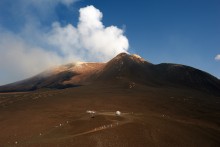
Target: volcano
{"points": [[123, 68], [78, 105]]}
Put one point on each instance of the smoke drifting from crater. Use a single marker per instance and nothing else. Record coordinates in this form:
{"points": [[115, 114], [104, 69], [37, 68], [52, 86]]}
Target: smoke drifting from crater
{"points": [[90, 40], [33, 48]]}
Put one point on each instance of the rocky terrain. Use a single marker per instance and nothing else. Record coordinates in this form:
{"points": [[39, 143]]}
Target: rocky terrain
{"points": [[160, 105]]}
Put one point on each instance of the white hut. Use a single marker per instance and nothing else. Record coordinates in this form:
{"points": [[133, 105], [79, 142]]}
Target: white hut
{"points": [[92, 113], [118, 113]]}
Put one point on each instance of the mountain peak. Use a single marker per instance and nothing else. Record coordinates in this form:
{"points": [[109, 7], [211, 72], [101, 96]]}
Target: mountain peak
{"points": [[124, 67], [121, 55], [125, 57], [136, 56]]}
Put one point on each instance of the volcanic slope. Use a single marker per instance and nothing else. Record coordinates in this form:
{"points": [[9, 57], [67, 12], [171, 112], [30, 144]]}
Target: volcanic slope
{"points": [[122, 68], [160, 105]]}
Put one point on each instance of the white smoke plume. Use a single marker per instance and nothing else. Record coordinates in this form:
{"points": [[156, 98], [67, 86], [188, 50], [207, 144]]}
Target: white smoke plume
{"points": [[90, 40], [34, 49]]}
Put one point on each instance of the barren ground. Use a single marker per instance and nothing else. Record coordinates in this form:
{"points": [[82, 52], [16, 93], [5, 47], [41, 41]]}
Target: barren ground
{"points": [[151, 116]]}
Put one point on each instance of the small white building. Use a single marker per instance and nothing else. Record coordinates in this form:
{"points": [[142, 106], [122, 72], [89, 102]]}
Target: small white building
{"points": [[90, 112], [118, 113]]}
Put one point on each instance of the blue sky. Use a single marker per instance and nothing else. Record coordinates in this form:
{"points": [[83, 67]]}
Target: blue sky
{"points": [[185, 32]]}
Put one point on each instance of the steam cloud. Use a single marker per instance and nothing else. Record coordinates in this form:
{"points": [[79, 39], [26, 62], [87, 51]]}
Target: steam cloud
{"points": [[90, 40], [33, 49], [217, 57]]}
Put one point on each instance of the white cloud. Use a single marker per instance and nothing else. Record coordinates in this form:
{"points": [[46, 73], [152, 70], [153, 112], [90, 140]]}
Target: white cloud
{"points": [[90, 18], [217, 57], [22, 60], [17, 14], [44, 4], [33, 49], [90, 40]]}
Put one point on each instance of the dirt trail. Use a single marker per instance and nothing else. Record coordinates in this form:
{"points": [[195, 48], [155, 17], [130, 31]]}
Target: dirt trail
{"points": [[127, 116], [45, 137]]}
